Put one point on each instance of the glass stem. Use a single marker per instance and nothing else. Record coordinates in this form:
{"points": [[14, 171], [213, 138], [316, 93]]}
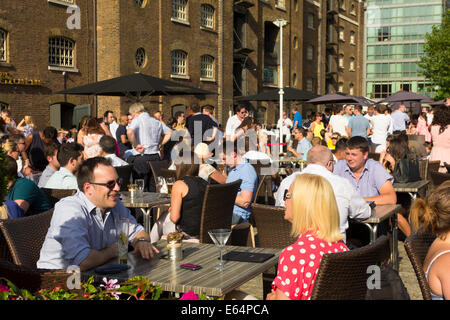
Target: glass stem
{"points": [[220, 250]]}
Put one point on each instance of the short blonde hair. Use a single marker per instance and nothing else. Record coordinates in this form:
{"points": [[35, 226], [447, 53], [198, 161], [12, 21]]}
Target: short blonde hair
{"points": [[29, 120], [314, 208], [136, 108]]}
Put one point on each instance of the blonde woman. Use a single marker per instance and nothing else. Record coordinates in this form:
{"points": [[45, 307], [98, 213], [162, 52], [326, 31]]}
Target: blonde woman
{"points": [[316, 224], [432, 215], [26, 125]]}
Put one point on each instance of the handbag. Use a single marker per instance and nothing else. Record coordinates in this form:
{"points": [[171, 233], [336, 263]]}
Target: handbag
{"points": [[406, 170]]}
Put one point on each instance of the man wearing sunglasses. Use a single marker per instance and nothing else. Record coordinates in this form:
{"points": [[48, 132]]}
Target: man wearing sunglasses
{"points": [[83, 227], [235, 121], [350, 203]]}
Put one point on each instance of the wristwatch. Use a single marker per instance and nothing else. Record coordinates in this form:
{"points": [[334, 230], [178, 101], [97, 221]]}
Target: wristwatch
{"points": [[142, 239]]}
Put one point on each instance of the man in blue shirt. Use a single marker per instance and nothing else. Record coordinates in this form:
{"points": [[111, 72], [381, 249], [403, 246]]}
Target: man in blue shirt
{"points": [[303, 144], [240, 169], [358, 125], [399, 119], [83, 227], [298, 120]]}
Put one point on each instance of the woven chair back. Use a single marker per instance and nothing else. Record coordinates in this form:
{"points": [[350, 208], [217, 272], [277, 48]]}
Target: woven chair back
{"points": [[54, 195], [217, 208]]}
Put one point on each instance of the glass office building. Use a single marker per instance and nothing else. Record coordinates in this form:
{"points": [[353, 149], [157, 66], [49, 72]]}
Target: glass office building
{"points": [[395, 36]]}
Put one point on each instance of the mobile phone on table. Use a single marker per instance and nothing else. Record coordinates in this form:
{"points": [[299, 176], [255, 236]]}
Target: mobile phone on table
{"points": [[190, 266]]}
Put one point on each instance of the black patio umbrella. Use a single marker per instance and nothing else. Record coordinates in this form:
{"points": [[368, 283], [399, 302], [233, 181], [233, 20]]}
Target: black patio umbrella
{"points": [[405, 96], [137, 86], [290, 94], [334, 98], [438, 103]]}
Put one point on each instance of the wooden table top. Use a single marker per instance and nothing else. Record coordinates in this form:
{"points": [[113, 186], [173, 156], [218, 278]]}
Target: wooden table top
{"points": [[171, 277], [410, 186], [382, 212], [148, 200]]}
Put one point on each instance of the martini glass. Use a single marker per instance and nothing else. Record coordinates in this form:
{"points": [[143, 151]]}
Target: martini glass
{"points": [[220, 237]]}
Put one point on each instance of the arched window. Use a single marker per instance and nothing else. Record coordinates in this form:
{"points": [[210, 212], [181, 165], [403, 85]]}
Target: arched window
{"points": [[141, 57], [3, 47], [179, 10], [61, 52], [179, 63], [207, 67], [207, 16]]}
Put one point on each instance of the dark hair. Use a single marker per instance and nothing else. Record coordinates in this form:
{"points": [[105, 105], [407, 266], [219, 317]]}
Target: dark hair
{"points": [[302, 131], [188, 166], [239, 108], [51, 148], [195, 108], [178, 114], [341, 144], [93, 127], [107, 112], [246, 122], [208, 108], [11, 168], [108, 144], [358, 107], [397, 148], [358, 142], [67, 151], [441, 117], [51, 133], [85, 172], [381, 108]]}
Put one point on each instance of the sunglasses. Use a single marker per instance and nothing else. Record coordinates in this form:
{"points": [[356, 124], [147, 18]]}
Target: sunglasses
{"points": [[287, 195], [110, 184]]}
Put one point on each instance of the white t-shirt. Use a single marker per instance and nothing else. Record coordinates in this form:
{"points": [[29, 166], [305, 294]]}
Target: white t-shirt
{"points": [[232, 124], [338, 124], [285, 125], [382, 125]]}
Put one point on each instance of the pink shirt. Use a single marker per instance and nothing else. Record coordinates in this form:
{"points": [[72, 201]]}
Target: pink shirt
{"points": [[422, 129], [299, 263]]}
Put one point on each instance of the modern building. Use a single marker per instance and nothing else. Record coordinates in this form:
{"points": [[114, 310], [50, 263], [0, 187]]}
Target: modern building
{"points": [[394, 42]]}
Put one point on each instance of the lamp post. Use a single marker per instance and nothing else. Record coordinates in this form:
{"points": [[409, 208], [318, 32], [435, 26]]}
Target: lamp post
{"points": [[281, 23]]}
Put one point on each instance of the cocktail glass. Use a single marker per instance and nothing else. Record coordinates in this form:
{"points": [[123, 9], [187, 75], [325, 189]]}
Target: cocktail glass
{"points": [[220, 238]]}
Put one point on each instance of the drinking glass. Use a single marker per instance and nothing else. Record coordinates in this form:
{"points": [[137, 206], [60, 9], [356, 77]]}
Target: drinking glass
{"points": [[139, 187], [122, 225], [159, 184], [170, 181], [220, 238], [132, 190]]}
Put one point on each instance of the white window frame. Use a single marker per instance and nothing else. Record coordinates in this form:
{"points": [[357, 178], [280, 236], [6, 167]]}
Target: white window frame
{"points": [[180, 10], [309, 52], [179, 62], [279, 4], [207, 16], [352, 37], [309, 85], [341, 34], [351, 89], [352, 64], [310, 21], [66, 48], [3, 45], [341, 61], [340, 87], [207, 67]]}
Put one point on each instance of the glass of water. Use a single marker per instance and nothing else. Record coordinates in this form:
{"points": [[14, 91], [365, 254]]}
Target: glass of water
{"points": [[139, 187]]}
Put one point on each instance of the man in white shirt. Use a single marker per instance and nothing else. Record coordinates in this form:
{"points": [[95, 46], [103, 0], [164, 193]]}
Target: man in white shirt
{"points": [[369, 116], [51, 153], [285, 125], [108, 146], [339, 123], [110, 120], [70, 157], [350, 203], [382, 126], [234, 121]]}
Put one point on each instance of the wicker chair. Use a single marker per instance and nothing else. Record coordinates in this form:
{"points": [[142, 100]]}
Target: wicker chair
{"points": [[25, 237], [261, 197], [437, 178], [155, 167], [54, 195], [33, 279], [241, 235], [416, 247], [124, 172], [343, 275], [166, 173], [423, 169], [433, 166], [217, 208]]}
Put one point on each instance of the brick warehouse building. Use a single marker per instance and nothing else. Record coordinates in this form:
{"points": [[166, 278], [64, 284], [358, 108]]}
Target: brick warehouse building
{"points": [[224, 46]]}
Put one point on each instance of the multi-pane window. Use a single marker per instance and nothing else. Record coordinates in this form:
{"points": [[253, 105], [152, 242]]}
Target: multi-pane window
{"points": [[279, 3], [309, 52], [342, 4], [351, 89], [179, 63], [395, 51], [341, 87], [392, 70], [309, 85], [179, 10], [61, 52], [3, 47], [352, 37], [353, 9], [391, 15], [310, 20], [381, 90], [341, 34], [141, 57], [398, 33], [207, 16], [207, 67]]}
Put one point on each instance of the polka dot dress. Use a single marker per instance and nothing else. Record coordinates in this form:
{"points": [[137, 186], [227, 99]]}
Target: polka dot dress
{"points": [[299, 263]]}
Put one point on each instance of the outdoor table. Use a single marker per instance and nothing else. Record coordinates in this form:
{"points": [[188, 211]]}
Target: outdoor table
{"points": [[172, 278], [412, 188], [379, 214], [146, 203]]}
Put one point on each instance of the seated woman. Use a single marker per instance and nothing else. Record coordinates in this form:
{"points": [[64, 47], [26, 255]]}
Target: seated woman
{"points": [[185, 205], [91, 140], [316, 224], [432, 215], [246, 124]]}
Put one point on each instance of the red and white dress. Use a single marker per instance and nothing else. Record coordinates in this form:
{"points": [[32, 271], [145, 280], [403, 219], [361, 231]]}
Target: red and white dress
{"points": [[299, 263]]}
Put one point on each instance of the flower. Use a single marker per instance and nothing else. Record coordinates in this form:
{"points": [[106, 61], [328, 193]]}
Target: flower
{"points": [[111, 285], [4, 288], [190, 295]]}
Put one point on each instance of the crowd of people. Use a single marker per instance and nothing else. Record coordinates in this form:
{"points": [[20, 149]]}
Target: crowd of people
{"points": [[340, 180]]}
